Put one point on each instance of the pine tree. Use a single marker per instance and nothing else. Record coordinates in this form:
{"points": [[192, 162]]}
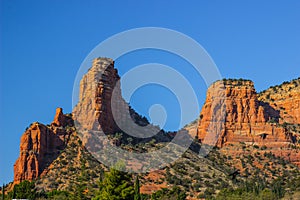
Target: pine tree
{"points": [[116, 185], [137, 195]]}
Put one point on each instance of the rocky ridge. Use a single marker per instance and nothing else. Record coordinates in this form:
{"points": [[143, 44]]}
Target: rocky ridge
{"points": [[285, 98]]}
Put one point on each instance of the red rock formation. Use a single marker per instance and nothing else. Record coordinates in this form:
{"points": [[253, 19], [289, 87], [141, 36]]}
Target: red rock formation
{"points": [[59, 119], [233, 110], [245, 119], [39, 146], [95, 97], [101, 106]]}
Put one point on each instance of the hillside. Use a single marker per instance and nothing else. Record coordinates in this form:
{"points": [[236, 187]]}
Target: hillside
{"points": [[253, 138], [285, 98]]}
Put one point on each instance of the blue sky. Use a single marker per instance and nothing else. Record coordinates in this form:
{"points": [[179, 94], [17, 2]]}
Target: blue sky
{"points": [[44, 42]]}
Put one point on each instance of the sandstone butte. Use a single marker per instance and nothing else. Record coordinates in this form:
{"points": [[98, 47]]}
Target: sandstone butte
{"points": [[237, 113], [233, 113]]}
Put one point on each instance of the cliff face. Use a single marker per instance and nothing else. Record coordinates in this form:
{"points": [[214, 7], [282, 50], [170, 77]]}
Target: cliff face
{"points": [[95, 97], [40, 145], [245, 118], [101, 107]]}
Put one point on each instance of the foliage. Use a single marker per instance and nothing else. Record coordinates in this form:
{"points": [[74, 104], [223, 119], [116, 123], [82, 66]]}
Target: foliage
{"points": [[255, 190], [174, 193], [116, 185], [25, 190], [57, 195], [137, 195]]}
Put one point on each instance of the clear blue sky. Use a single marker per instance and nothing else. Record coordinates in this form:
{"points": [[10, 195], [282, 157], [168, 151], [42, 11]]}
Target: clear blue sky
{"points": [[44, 42]]}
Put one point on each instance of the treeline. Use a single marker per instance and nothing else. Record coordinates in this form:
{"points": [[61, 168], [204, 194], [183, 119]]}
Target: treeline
{"points": [[113, 185], [119, 185], [259, 190]]}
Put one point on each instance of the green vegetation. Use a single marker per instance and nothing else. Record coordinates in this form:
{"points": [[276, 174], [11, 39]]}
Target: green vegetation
{"points": [[236, 82], [57, 195], [189, 176], [116, 185], [256, 190], [137, 195], [25, 190], [276, 89], [76, 175], [174, 193]]}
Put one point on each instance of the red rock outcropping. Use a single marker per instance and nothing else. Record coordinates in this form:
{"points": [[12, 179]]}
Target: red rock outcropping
{"points": [[232, 114], [101, 108], [40, 145], [100, 105], [95, 97]]}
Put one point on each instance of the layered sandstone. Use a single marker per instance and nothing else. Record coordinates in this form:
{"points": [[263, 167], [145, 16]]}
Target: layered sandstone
{"points": [[94, 107], [101, 108], [233, 105], [40, 145]]}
